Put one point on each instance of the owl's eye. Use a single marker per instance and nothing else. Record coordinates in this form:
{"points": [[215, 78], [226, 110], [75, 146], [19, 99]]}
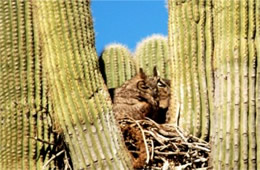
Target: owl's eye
{"points": [[142, 85], [160, 84]]}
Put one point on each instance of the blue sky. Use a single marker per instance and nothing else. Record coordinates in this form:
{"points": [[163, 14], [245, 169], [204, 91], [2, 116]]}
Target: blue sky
{"points": [[127, 21]]}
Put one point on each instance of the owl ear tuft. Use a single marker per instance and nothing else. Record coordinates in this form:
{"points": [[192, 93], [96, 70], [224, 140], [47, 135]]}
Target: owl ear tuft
{"points": [[142, 74], [155, 72]]}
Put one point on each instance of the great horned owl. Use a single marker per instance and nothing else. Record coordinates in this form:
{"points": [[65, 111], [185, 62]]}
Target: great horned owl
{"points": [[164, 89], [163, 86], [136, 98]]}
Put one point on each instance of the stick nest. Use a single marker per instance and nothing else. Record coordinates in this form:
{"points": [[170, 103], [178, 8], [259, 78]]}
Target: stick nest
{"points": [[163, 146]]}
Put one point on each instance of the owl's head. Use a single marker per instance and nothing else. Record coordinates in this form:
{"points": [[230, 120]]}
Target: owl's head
{"points": [[163, 86], [144, 84]]}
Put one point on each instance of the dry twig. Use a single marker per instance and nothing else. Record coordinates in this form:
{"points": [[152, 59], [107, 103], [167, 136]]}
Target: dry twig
{"points": [[166, 145]]}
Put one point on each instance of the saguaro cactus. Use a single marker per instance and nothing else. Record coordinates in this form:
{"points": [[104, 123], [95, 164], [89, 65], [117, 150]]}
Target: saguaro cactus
{"points": [[191, 51], [236, 40], [24, 109], [50, 79], [81, 102], [234, 99], [117, 65], [153, 51]]}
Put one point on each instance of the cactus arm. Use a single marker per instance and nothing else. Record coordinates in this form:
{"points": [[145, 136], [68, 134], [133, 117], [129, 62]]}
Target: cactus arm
{"points": [[235, 83], [23, 113], [49, 79], [233, 102], [117, 65], [152, 51], [81, 102], [192, 43]]}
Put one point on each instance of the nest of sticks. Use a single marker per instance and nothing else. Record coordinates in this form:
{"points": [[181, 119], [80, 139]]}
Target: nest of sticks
{"points": [[163, 146]]}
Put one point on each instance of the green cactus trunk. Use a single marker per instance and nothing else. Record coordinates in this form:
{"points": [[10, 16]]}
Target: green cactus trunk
{"points": [[234, 100], [153, 51], [81, 102], [191, 51], [23, 91], [234, 135], [50, 82], [117, 65]]}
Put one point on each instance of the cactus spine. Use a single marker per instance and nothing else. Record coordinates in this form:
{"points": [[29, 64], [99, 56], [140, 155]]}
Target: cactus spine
{"points": [[190, 43], [117, 65], [153, 51]]}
